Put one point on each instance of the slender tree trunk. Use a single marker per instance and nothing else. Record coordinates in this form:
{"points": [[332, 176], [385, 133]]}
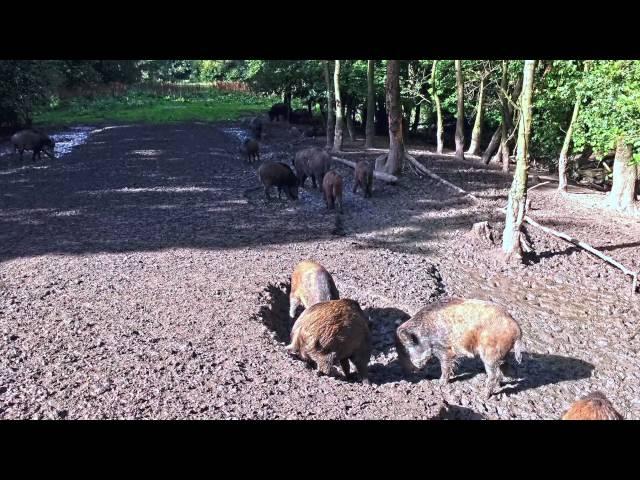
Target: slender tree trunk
{"points": [[516, 206], [504, 132], [350, 129], [395, 158], [563, 160], [337, 138], [460, 114], [495, 141], [287, 100], [476, 134], [330, 105], [625, 175], [436, 101], [416, 119]]}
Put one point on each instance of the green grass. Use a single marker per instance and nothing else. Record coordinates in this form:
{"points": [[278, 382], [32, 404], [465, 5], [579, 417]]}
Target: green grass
{"points": [[147, 106]]}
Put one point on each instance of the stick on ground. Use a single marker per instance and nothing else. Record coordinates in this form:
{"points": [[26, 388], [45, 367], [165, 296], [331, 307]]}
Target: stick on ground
{"points": [[421, 168], [587, 247]]}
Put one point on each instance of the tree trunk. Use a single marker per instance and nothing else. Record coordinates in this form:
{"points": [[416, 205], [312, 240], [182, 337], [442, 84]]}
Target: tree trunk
{"points": [[350, 129], [287, 100], [476, 134], [393, 163], [495, 141], [516, 206], [504, 132], [416, 119], [436, 100], [370, 129], [460, 114], [337, 138], [623, 190], [330, 105], [563, 160]]}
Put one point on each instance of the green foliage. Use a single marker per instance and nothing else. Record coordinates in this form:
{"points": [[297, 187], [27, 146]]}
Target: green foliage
{"points": [[145, 104], [611, 106], [553, 102], [25, 84]]}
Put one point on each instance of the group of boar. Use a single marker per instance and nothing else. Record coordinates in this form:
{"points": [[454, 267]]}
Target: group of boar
{"points": [[35, 141], [333, 331], [313, 163]]}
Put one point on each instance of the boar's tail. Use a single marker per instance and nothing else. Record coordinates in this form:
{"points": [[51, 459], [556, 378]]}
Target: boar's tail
{"points": [[517, 350]]}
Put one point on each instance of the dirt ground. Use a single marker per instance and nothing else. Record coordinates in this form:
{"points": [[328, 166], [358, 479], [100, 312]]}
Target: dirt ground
{"points": [[143, 275]]}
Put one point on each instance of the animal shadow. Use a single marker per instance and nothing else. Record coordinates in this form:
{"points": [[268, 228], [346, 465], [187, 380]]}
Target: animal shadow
{"points": [[457, 412], [275, 313], [383, 323]]}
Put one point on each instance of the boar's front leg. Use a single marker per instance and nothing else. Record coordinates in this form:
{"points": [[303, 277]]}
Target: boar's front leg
{"points": [[346, 368], [446, 366]]}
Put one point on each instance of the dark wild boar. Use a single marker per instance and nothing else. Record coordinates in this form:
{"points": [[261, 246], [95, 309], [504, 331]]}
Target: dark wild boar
{"points": [[459, 327], [35, 141], [312, 162], [332, 190], [278, 112], [594, 406], [255, 127], [310, 284], [275, 174], [330, 332], [363, 177]]}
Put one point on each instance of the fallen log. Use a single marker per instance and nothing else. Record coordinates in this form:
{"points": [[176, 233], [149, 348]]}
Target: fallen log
{"points": [[587, 247], [385, 177], [421, 168]]}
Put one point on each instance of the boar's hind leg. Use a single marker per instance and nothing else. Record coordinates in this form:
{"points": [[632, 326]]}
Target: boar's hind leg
{"points": [[355, 186], [493, 377]]}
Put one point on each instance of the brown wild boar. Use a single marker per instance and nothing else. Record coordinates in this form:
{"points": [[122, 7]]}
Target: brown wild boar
{"points": [[310, 284], [332, 190], [276, 174], [330, 332], [459, 327], [363, 177], [312, 162], [594, 406], [251, 149]]}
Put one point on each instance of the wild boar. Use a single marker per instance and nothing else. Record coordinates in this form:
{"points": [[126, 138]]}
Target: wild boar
{"points": [[251, 149], [255, 127], [35, 141], [594, 406], [278, 112], [310, 284], [330, 332], [332, 190], [275, 174], [363, 177], [312, 162], [459, 327]]}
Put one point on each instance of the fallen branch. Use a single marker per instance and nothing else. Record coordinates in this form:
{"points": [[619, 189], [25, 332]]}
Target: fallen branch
{"points": [[536, 186], [421, 168], [379, 175], [587, 247]]}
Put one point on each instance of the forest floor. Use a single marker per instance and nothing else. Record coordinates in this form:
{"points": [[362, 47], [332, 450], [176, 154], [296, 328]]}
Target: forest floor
{"points": [[144, 275]]}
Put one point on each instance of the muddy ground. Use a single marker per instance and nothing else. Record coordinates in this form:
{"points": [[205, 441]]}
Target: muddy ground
{"points": [[143, 275]]}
